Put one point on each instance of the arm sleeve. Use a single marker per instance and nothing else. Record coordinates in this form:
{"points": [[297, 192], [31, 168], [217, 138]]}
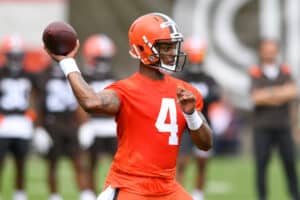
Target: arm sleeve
{"points": [[117, 87]]}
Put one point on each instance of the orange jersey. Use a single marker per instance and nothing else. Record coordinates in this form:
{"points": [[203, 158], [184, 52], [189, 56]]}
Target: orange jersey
{"points": [[149, 128]]}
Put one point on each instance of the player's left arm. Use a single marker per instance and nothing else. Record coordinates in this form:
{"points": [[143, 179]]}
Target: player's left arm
{"points": [[202, 137], [199, 129]]}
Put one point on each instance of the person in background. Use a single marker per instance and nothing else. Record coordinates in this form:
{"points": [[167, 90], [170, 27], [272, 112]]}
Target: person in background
{"points": [[59, 120], [17, 109], [98, 134], [195, 75], [151, 110], [272, 92], [226, 124]]}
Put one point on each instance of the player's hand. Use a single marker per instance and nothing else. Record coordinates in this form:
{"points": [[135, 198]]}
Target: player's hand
{"points": [[72, 54], [186, 99]]}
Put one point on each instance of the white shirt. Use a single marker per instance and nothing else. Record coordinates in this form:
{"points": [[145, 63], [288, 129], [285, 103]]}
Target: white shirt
{"points": [[271, 71]]}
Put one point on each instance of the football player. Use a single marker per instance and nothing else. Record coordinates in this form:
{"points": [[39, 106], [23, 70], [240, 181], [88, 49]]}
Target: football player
{"points": [[151, 110], [59, 116], [194, 74], [16, 114], [98, 134]]}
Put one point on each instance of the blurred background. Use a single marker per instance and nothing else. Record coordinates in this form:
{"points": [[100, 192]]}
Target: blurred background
{"points": [[232, 30]]}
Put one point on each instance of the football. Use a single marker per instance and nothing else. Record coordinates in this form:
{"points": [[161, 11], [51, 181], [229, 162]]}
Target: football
{"points": [[59, 38]]}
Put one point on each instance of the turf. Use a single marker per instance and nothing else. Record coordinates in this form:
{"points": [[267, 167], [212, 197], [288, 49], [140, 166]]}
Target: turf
{"points": [[229, 178]]}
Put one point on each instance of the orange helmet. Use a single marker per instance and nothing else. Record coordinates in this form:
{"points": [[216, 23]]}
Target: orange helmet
{"points": [[13, 44], [195, 49], [36, 60], [97, 46], [145, 35]]}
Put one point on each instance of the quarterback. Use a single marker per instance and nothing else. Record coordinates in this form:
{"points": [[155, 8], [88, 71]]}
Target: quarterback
{"points": [[151, 110]]}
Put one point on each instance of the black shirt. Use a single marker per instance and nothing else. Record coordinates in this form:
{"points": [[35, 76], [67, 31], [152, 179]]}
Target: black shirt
{"points": [[58, 104], [270, 116], [15, 90]]}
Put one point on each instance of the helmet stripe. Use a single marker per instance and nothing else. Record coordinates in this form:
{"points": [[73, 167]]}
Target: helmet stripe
{"points": [[165, 18]]}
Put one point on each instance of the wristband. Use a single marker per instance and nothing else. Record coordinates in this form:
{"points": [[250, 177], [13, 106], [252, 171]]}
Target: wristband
{"points": [[68, 65], [194, 121]]}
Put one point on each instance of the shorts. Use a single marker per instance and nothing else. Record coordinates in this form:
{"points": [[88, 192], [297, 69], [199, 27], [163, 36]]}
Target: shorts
{"points": [[106, 145], [17, 146], [119, 194], [64, 143]]}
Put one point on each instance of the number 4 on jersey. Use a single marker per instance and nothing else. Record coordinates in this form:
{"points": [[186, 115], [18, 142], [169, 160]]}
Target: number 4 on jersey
{"points": [[168, 106]]}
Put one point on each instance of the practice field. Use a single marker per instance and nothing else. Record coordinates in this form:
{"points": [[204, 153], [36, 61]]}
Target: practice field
{"points": [[228, 179]]}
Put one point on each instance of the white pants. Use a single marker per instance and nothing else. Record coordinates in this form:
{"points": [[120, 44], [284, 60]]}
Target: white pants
{"points": [[107, 194]]}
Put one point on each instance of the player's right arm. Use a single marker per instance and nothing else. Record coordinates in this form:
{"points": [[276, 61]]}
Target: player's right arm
{"points": [[104, 102]]}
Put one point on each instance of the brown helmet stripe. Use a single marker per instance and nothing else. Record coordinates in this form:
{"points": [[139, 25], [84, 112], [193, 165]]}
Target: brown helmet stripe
{"points": [[165, 19]]}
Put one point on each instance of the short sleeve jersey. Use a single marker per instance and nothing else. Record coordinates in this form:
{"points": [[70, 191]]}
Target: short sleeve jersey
{"points": [[97, 81], [57, 103], [149, 127], [15, 89]]}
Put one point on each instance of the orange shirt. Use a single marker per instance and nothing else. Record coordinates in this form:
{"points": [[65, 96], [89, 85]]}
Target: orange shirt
{"points": [[149, 128]]}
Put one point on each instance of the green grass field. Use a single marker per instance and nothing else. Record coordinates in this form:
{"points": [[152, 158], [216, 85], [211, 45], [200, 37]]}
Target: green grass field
{"points": [[229, 178]]}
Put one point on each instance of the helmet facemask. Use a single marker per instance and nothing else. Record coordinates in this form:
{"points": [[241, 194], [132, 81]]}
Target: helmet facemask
{"points": [[14, 60], [148, 36], [195, 68], [98, 51], [102, 65], [169, 55]]}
